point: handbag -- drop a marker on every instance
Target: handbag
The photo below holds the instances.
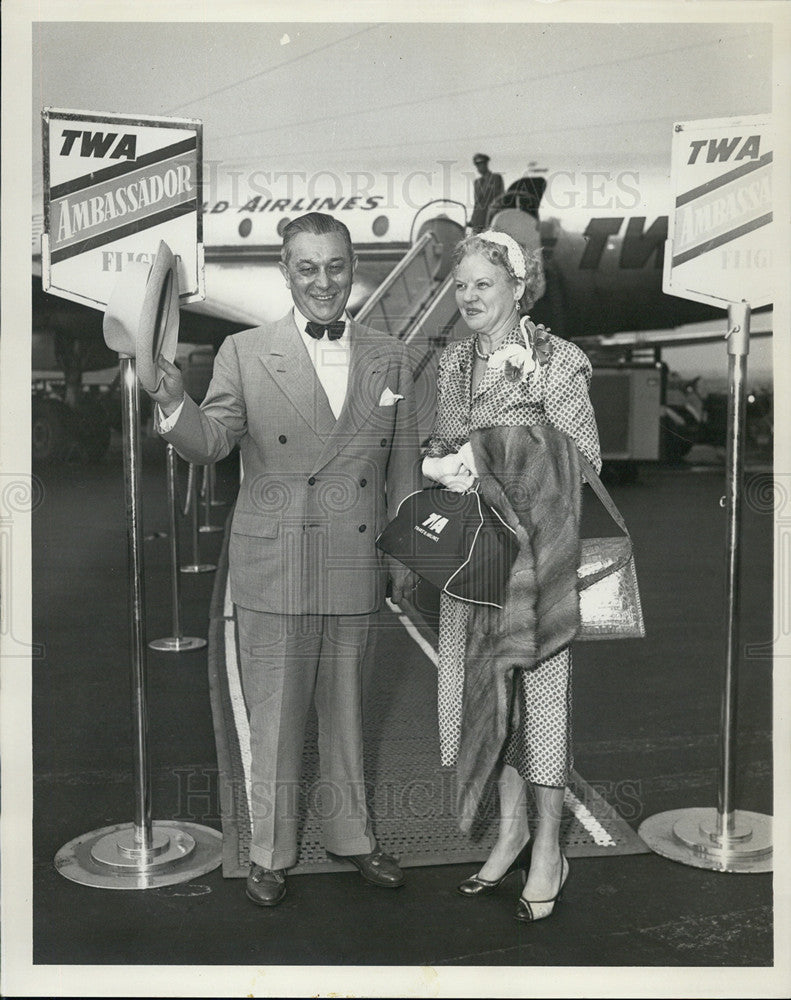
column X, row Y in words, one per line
column 610, row 605
column 455, row 541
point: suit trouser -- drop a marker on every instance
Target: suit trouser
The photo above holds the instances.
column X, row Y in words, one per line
column 285, row 660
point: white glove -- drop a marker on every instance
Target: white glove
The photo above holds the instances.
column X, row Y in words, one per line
column 466, row 456
column 450, row 471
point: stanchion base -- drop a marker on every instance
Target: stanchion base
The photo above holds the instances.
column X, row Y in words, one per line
column 218, row 503
column 208, row 528
column 690, row 836
column 178, row 644
column 105, row 858
column 199, row 568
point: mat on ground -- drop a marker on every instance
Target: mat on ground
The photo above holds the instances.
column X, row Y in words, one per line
column 411, row 797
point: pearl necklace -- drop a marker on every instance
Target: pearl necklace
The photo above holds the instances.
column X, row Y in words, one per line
column 485, row 357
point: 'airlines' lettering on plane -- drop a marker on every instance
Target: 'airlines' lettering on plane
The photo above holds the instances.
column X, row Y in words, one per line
column 259, row 204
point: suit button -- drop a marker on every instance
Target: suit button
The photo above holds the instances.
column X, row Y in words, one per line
column 383, row 442
column 312, row 481
column 363, row 482
column 282, row 439
column 361, row 528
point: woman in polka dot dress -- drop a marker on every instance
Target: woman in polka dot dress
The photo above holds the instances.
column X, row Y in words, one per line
column 509, row 374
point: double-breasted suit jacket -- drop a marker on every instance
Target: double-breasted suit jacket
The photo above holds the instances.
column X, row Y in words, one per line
column 315, row 491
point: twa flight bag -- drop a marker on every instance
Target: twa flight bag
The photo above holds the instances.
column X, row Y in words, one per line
column 455, row 541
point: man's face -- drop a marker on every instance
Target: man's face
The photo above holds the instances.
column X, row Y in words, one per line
column 319, row 274
column 482, row 166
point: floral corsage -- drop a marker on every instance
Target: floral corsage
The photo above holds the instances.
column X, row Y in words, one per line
column 519, row 361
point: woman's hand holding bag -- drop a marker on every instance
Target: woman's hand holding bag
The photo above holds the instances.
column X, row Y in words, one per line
column 450, row 471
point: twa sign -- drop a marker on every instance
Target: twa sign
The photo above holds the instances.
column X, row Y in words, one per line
column 114, row 186
column 719, row 247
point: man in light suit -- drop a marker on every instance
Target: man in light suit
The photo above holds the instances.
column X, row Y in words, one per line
column 323, row 410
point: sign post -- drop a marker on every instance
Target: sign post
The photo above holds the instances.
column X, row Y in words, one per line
column 119, row 191
column 719, row 251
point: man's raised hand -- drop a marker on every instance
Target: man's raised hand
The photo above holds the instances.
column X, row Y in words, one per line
column 170, row 391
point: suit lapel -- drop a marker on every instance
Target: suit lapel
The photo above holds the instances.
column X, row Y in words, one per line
column 287, row 361
column 368, row 366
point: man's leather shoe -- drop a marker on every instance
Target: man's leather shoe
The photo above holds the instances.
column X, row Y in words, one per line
column 266, row 887
column 378, row 868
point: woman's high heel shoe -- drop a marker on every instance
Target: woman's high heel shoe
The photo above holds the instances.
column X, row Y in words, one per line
column 530, row 910
column 477, row 886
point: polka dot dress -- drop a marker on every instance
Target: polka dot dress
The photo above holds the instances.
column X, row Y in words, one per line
column 555, row 393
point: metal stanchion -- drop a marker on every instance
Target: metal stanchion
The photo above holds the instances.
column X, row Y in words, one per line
column 175, row 643
column 723, row 839
column 213, row 501
column 144, row 854
column 207, row 526
column 196, row 566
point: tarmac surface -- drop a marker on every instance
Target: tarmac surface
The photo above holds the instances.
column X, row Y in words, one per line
column 646, row 736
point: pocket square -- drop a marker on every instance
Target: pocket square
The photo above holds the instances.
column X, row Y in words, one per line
column 389, row 398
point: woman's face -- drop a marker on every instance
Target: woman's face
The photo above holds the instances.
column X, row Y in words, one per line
column 485, row 294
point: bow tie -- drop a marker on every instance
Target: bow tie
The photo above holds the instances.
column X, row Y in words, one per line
column 333, row 330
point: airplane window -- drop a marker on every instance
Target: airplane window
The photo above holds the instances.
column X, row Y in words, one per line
column 380, row 225
column 282, row 225
column 245, row 226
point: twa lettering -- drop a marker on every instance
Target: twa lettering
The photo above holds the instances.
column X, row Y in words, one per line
column 719, row 150
column 97, row 144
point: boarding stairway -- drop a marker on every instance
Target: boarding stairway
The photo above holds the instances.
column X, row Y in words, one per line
column 416, row 304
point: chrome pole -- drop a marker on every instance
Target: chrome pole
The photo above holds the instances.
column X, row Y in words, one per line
column 723, row 839
column 213, row 501
column 137, row 604
column 738, row 349
column 196, row 566
column 141, row 854
column 176, row 642
column 174, row 541
column 206, row 493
